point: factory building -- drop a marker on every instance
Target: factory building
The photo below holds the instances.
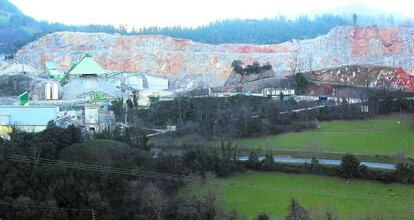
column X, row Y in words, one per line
column 27, row 118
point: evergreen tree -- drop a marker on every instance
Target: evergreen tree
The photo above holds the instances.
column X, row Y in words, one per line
column 297, row 212
column 349, row 166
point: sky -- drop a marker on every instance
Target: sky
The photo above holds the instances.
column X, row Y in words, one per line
column 189, row 13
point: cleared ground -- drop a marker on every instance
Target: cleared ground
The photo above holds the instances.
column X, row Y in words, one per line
column 253, row 193
column 381, row 135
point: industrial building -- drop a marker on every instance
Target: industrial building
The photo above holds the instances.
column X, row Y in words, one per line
column 87, row 79
column 52, row 72
column 27, row 118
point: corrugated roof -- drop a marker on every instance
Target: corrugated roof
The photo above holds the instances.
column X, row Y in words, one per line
column 87, row 66
column 81, row 86
column 30, row 115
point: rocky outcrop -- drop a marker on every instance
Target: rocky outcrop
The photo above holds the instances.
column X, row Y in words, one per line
column 174, row 58
column 251, row 82
column 236, row 79
column 366, row 75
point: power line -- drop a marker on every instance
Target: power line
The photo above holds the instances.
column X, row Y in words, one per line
column 44, row 207
column 97, row 168
column 174, row 177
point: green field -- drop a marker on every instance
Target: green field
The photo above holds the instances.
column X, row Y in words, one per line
column 378, row 136
column 254, row 193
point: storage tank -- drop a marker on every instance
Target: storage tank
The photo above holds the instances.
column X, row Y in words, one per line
column 48, row 92
column 55, row 91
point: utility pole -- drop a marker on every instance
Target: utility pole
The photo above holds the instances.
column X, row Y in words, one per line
column 93, row 214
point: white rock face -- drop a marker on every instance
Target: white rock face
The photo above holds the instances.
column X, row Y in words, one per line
column 177, row 58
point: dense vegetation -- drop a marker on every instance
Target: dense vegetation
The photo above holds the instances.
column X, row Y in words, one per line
column 33, row 189
column 14, row 85
column 254, row 68
column 265, row 31
column 247, row 116
column 17, row 29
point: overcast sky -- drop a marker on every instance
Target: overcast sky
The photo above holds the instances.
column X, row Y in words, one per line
column 140, row 13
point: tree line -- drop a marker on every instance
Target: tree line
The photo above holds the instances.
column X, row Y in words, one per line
column 247, row 116
column 39, row 191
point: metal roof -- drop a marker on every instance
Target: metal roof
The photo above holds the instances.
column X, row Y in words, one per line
column 87, row 66
column 81, row 86
column 27, row 115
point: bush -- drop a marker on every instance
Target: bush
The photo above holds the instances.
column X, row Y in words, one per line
column 349, row 166
column 262, row 216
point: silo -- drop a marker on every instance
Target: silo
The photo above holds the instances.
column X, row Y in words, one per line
column 48, row 94
column 55, row 91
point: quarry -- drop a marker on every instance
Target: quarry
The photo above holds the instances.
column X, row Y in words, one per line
column 76, row 71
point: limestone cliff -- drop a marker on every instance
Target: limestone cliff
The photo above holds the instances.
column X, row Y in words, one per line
column 174, row 58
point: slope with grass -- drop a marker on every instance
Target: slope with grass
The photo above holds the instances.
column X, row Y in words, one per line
column 381, row 135
column 253, row 193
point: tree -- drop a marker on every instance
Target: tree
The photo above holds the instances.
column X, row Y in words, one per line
column 237, row 66
column 301, row 82
column 314, row 166
column 294, row 63
column 268, row 163
column 137, row 139
column 153, row 202
column 253, row 160
column 262, row 216
column 405, row 173
column 117, row 106
column 297, row 212
column 200, row 201
column 282, row 96
column 349, row 166
column 354, row 19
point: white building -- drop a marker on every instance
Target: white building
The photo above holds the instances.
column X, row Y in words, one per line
column 277, row 92
column 91, row 118
column 28, row 118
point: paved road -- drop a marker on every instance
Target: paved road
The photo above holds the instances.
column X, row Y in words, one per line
column 293, row 160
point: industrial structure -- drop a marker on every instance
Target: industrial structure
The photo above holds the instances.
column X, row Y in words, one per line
column 27, row 118
column 84, row 94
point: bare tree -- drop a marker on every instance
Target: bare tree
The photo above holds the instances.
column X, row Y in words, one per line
column 200, row 201
column 293, row 63
column 153, row 202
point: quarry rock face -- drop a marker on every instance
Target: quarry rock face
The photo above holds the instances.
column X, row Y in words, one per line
column 175, row 58
column 366, row 76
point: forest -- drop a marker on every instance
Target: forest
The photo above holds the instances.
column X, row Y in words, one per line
column 17, row 29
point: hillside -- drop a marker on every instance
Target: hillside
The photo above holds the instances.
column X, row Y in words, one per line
column 176, row 58
column 17, row 29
